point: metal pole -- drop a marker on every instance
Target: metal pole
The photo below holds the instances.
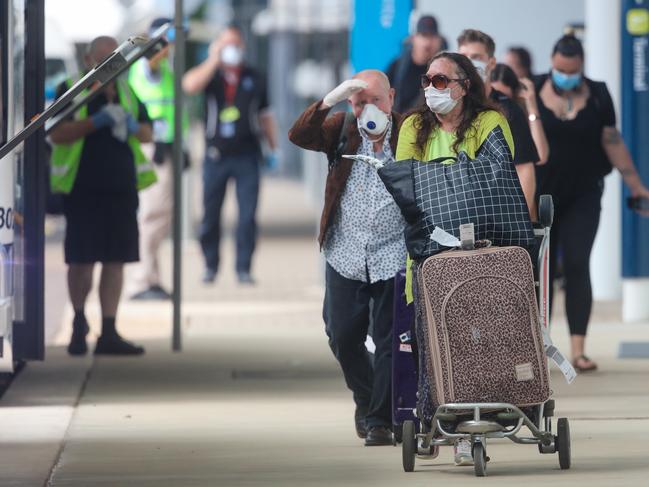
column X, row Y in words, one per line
column 179, row 69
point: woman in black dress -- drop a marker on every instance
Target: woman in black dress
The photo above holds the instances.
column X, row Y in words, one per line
column 579, row 120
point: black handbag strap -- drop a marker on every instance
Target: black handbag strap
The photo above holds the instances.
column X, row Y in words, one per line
column 342, row 140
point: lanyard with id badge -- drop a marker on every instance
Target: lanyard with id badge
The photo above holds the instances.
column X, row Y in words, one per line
column 228, row 118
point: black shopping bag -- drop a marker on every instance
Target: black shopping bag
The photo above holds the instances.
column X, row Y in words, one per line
column 484, row 191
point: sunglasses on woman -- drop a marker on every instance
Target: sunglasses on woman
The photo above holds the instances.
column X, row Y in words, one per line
column 439, row 81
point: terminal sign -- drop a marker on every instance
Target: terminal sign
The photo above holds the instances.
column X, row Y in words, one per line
column 635, row 128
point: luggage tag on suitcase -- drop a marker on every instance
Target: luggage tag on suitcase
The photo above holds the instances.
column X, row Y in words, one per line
column 444, row 238
column 466, row 241
column 564, row 365
column 467, row 236
column 554, row 354
column 405, row 344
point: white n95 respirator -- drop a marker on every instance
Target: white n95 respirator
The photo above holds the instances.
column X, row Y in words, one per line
column 372, row 120
column 231, row 55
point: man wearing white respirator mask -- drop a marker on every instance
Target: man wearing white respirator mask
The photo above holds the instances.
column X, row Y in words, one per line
column 479, row 48
column 361, row 234
column 236, row 102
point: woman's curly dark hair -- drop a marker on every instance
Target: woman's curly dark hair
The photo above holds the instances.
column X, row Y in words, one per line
column 475, row 102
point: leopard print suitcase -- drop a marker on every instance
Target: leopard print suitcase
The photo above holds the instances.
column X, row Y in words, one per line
column 480, row 328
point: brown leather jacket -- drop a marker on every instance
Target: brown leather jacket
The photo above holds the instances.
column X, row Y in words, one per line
column 313, row 130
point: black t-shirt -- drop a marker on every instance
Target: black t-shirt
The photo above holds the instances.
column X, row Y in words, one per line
column 233, row 130
column 405, row 78
column 524, row 146
column 107, row 166
column 577, row 161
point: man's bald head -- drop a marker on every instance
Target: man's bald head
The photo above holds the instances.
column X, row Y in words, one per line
column 378, row 92
column 374, row 76
column 99, row 49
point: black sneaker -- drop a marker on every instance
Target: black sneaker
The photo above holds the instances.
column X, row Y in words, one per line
column 116, row 345
column 378, row 436
column 78, row 345
column 154, row 293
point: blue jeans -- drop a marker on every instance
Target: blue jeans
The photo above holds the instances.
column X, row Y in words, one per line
column 244, row 169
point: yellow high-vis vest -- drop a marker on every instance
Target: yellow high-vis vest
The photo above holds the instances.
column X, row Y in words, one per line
column 66, row 158
column 157, row 95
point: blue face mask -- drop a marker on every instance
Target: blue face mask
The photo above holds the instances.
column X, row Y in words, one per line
column 566, row 82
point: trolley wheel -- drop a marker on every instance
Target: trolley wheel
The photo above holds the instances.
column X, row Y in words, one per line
column 562, row 442
column 480, row 459
column 409, row 446
column 397, row 434
column 546, row 210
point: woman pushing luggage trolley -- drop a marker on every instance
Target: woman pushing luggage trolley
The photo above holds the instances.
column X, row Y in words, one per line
column 482, row 338
column 482, row 367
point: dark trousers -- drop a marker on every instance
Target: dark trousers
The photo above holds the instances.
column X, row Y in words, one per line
column 244, row 169
column 347, row 315
column 573, row 234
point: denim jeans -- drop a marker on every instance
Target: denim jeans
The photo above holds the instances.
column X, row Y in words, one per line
column 244, row 169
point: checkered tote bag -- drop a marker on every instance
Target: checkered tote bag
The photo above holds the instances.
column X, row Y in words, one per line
column 484, row 191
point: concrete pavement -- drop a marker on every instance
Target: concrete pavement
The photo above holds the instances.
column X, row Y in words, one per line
column 256, row 399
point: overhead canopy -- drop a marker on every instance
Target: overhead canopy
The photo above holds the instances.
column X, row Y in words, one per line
column 82, row 21
column 304, row 16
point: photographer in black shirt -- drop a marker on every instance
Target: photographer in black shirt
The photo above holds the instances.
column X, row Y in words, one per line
column 405, row 71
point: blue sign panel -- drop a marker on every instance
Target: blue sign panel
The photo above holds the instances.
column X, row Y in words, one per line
column 635, row 129
column 378, row 30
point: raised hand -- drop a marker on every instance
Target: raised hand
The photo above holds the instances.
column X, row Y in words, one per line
column 528, row 92
column 343, row 91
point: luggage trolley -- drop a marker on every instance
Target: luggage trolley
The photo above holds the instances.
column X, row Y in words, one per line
column 478, row 422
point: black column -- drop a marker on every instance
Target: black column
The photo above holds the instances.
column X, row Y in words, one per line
column 29, row 336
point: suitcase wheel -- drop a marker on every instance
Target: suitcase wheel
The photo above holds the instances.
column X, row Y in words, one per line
column 562, row 440
column 409, row 446
column 480, row 459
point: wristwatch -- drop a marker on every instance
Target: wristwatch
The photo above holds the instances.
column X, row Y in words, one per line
column 532, row 117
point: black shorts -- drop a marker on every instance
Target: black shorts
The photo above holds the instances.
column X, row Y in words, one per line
column 101, row 228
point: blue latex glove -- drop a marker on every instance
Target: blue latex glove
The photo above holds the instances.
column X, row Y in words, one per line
column 271, row 161
column 132, row 125
column 102, row 119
